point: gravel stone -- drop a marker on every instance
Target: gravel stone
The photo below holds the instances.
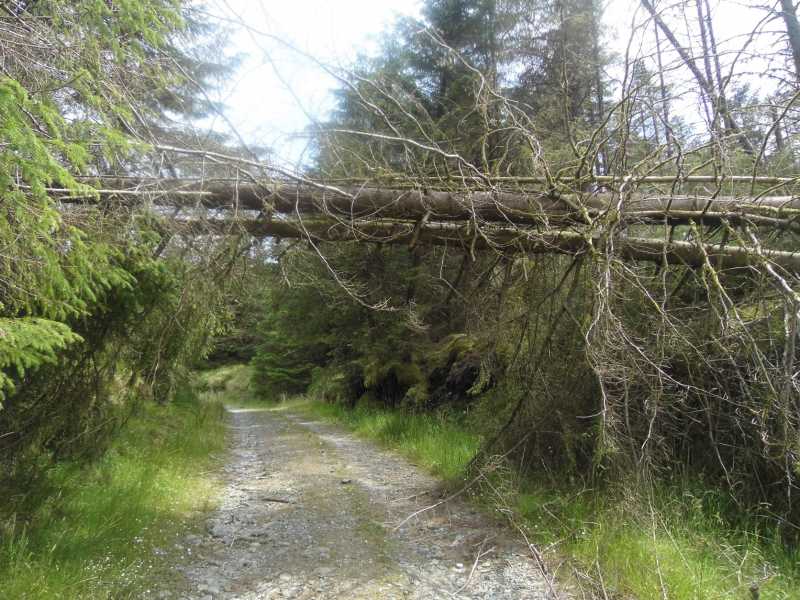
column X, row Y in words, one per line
column 310, row 512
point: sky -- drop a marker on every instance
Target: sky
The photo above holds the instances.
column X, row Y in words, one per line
column 277, row 91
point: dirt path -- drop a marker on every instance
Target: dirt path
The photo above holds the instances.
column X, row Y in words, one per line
column 311, row 512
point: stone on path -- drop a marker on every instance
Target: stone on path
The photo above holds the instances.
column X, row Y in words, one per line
column 336, row 534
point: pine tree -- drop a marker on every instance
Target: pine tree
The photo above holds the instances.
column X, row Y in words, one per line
column 88, row 295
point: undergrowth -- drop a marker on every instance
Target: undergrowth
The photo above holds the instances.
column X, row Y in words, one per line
column 105, row 530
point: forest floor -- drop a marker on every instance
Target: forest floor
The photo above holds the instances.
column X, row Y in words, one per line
column 309, row 511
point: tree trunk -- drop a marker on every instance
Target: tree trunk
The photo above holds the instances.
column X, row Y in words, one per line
column 500, row 239
column 663, row 88
column 789, row 15
column 538, row 208
column 706, row 84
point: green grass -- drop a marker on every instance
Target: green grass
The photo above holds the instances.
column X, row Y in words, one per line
column 230, row 385
column 671, row 544
column 440, row 445
column 108, row 529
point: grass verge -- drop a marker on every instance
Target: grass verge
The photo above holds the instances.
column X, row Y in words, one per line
column 670, row 543
column 667, row 543
column 107, row 529
column 436, row 443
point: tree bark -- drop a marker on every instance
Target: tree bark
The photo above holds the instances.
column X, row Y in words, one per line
column 500, row 239
column 532, row 208
column 789, row 15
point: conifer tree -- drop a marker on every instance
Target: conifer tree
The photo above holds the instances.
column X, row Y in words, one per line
column 86, row 294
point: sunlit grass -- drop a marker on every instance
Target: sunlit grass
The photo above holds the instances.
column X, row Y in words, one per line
column 435, row 443
column 669, row 543
column 105, row 530
column 230, row 385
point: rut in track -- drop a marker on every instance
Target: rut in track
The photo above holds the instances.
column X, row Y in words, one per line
column 309, row 511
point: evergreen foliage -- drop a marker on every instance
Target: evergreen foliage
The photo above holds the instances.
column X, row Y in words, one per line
column 99, row 309
column 29, row 343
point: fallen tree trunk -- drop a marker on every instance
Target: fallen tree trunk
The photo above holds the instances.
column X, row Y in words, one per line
column 502, row 239
column 534, row 208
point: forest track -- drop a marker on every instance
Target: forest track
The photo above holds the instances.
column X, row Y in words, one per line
column 309, row 511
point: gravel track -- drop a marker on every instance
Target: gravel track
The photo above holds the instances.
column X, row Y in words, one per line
column 311, row 512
